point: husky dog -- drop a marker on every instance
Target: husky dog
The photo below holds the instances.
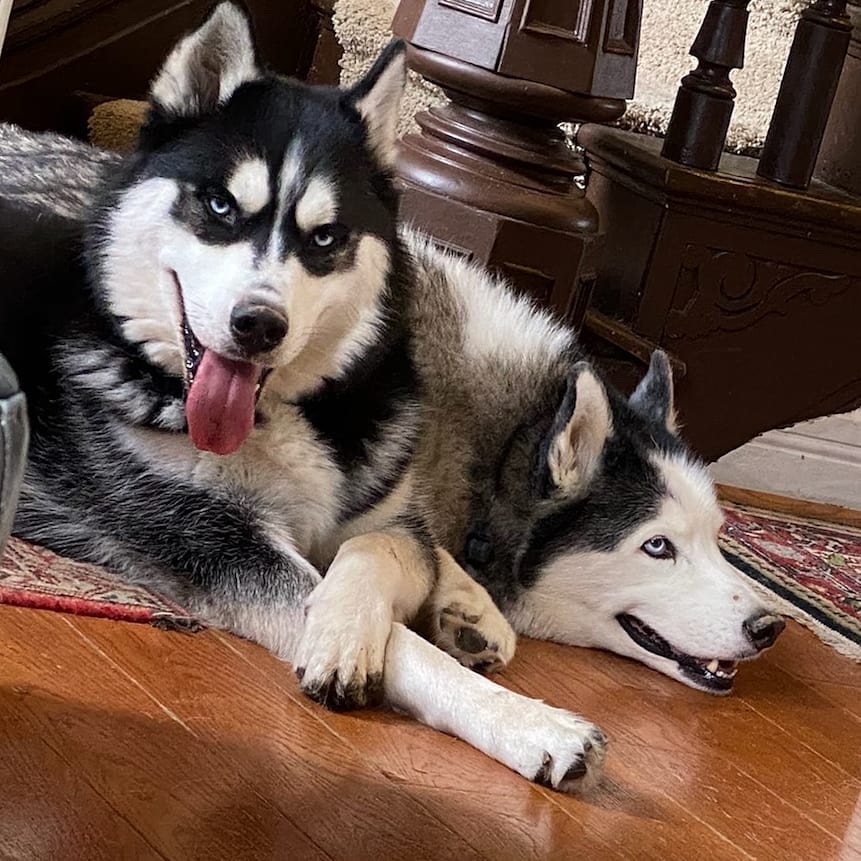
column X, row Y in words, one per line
column 581, row 511
column 266, row 380
column 223, row 392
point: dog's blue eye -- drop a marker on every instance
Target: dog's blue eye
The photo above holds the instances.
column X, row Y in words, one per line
column 220, row 207
column 327, row 236
column 659, row 548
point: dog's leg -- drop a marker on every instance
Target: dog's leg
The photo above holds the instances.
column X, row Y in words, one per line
column 375, row 579
column 553, row 747
column 461, row 618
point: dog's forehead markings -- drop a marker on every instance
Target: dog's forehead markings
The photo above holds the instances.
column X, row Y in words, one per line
column 317, row 204
column 289, row 175
column 689, row 484
column 249, row 184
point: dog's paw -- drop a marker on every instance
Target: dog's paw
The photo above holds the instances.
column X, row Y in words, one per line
column 552, row 746
column 573, row 756
column 474, row 631
column 339, row 661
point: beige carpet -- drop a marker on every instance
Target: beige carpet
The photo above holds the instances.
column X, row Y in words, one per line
column 669, row 27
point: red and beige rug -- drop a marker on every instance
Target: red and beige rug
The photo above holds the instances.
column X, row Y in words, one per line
column 806, row 569
column 31, row 576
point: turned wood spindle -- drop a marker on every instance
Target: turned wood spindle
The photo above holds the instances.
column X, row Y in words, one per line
column 697, row 129
column 806, row 93
column 839, row 161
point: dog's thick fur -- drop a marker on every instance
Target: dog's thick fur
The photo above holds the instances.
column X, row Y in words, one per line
column 411, row 412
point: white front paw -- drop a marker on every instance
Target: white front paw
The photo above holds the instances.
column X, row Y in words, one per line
column 339, row 662
column 553, row 747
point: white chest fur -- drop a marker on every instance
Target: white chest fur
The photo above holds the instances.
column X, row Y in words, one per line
column 283, row 466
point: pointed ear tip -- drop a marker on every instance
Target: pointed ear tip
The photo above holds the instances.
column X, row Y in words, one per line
column 586, row 371
column 231, row 7
column 398, row 56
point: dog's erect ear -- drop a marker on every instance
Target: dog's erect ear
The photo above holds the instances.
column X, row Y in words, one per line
column 580, row 431
column 377, row 98
column 207, row 66
column 653, row 397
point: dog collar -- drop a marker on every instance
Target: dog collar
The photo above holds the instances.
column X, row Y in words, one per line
column 477, row 549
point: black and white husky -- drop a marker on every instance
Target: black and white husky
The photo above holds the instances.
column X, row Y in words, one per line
column 242, row 374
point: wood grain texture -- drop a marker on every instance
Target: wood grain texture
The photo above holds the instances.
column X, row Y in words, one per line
column 119, row 741
column 824, row 511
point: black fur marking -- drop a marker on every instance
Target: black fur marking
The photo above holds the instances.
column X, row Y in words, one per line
column 352, row 413
column 526, row 531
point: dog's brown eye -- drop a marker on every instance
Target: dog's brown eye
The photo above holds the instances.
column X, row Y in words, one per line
column 659, row 547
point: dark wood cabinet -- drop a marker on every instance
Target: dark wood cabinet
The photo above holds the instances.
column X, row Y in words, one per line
column 56, row 49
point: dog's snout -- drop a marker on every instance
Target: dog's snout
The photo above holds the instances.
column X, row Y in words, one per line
column 763, row 629
column 258, row 328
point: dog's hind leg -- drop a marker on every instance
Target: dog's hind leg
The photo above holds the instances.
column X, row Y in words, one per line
column 553, row 747
column 461, row 618
column 375, row 579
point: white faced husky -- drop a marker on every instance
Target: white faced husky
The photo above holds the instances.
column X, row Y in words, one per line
column 241, row 374
column 580, row 511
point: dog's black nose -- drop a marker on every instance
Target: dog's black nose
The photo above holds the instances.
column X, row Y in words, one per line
column 258, row 328
column 763, row 630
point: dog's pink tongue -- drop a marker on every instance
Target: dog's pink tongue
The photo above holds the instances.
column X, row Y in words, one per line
column 220, row 403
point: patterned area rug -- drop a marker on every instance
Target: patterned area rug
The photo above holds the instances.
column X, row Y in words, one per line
column 808, row 570
column 31, row 576
column 811, row 571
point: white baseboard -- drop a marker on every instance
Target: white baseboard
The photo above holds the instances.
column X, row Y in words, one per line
column 819, row 461
column 5, row 11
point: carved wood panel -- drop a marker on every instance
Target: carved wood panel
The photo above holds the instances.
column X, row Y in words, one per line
column 569, row 20
column 722, row 290
column 623, row 27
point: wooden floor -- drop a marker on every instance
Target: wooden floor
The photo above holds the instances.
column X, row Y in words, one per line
column 118, row 741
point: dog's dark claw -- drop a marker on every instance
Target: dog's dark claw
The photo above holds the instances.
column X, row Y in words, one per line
column 542, row 776
column 338, row 697
column 576, row 771
column 469, row 640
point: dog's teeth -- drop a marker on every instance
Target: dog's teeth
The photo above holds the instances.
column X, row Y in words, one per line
column 713, row 666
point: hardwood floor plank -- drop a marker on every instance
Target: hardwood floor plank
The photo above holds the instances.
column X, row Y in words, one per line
column 37, row 823
column 823, row 511
column 710, row 754
column 493, row 811
column 479, row 798
column 309, row 768
column 621, row 821
column 154, row 745
column 802, row 656
column 255, row 788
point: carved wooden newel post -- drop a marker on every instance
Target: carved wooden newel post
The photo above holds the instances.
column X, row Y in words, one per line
column 491, row 174
column 697, row 129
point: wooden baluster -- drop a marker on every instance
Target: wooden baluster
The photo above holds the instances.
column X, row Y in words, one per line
column 700, row 120
column 839, row 161
column 806, row 92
